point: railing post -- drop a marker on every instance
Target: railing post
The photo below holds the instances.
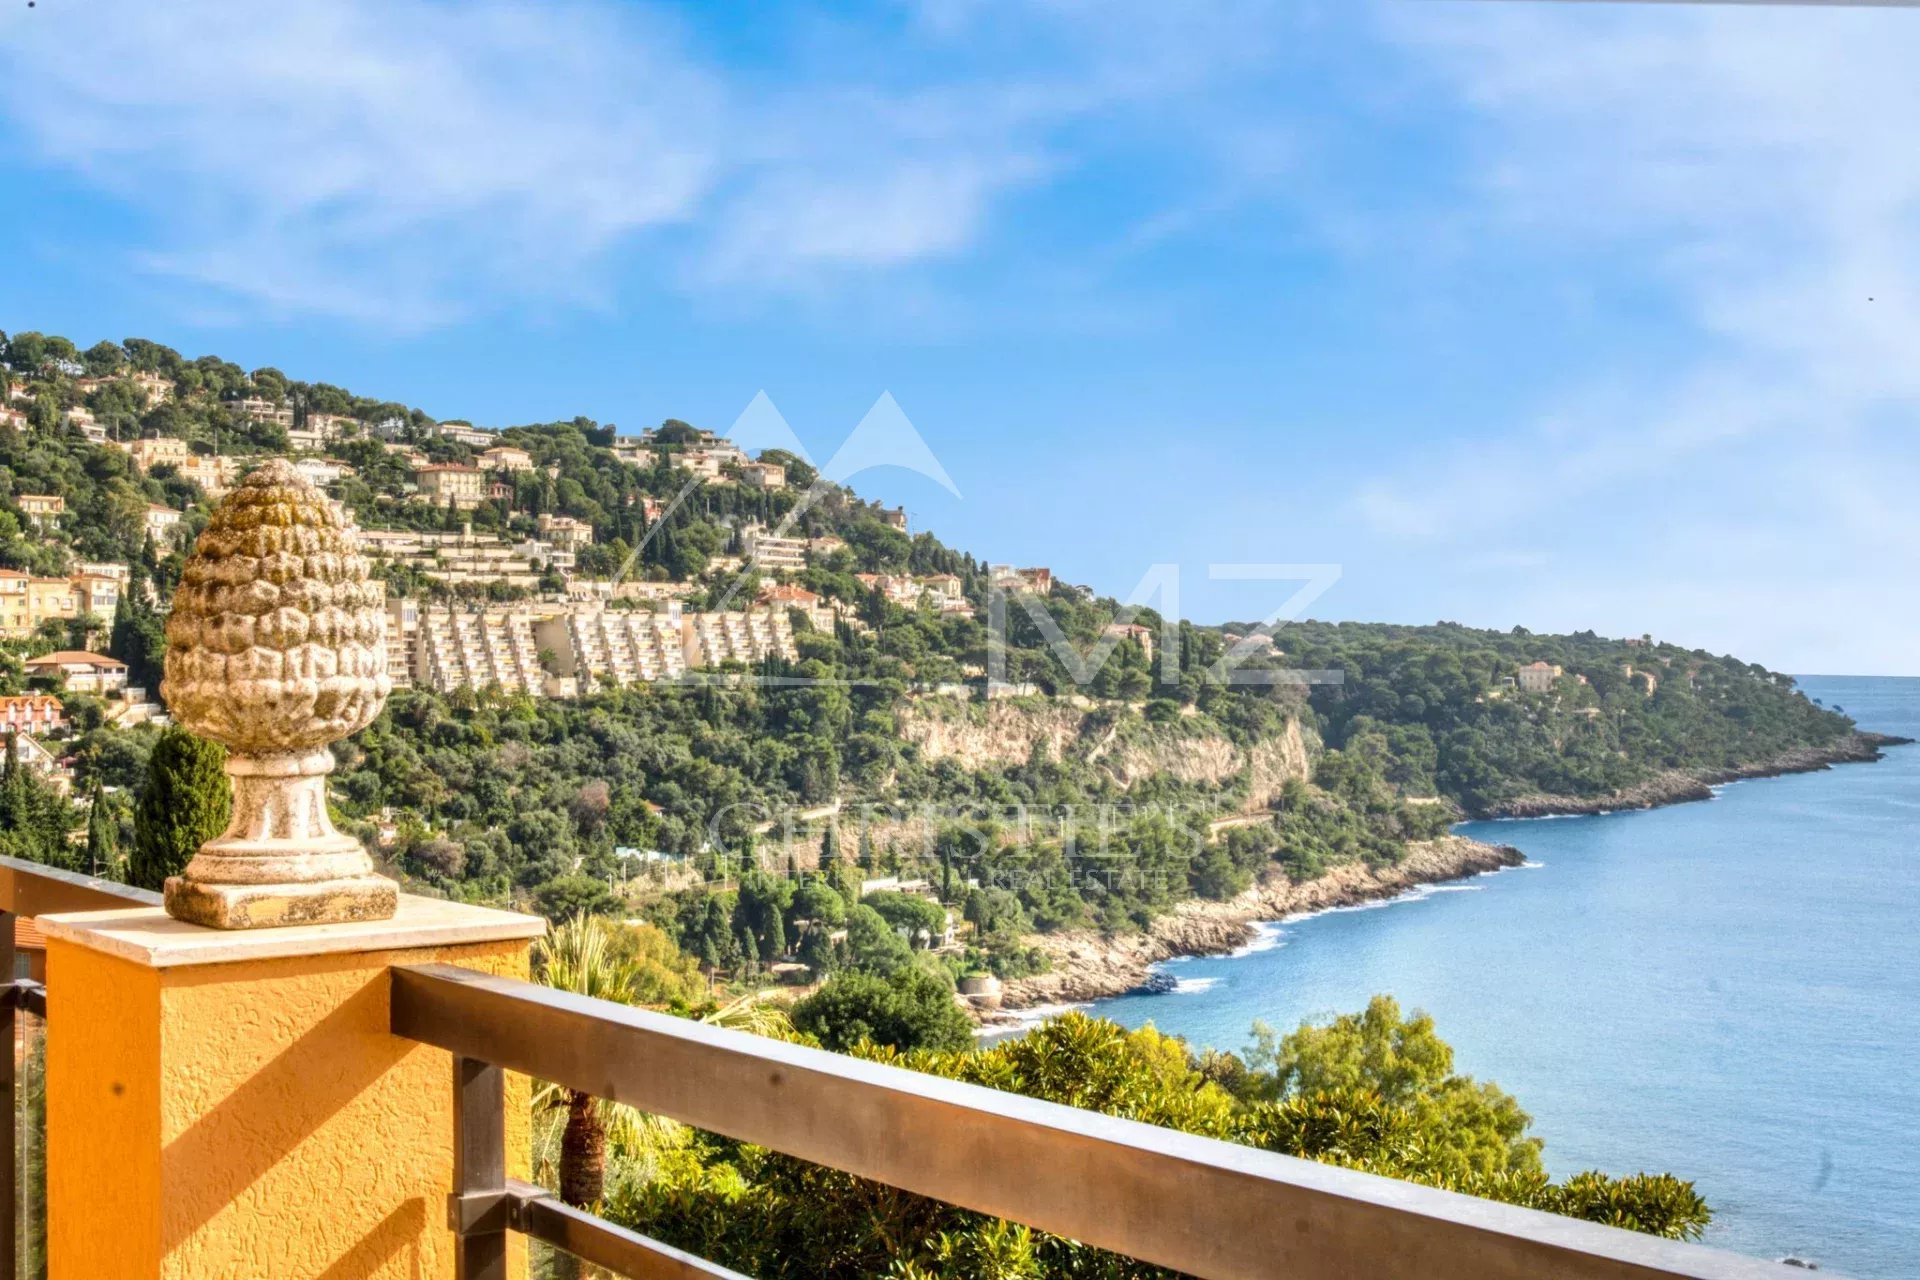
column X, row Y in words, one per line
column 236, row 1104
column 477, row 1210
column 10, row 1099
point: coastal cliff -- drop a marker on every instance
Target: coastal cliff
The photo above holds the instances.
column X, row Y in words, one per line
column 1088, row 965
column 1678, row 786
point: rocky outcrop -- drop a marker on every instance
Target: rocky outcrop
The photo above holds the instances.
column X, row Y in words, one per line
column 1117, row 738
column 1091, row 966
column 1678, row 786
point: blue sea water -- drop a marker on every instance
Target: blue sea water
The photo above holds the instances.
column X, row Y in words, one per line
column 1729, row 990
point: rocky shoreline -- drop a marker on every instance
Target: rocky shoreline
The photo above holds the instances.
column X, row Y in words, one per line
column 1090, row 966
column 1679, row 786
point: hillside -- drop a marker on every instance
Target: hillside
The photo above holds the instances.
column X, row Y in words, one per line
column 695, row 665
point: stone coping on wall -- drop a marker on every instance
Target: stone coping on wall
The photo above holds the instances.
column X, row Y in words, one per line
column 148, row 936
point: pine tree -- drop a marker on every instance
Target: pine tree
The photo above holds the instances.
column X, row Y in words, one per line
column 102, row 834
column 185, row 803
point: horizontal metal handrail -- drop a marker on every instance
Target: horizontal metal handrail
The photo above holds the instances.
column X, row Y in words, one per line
column 1208, row 1208
column 534, row 1212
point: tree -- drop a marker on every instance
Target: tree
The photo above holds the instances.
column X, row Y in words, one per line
column 1468, row 1128
column 103, row 834
column 185, row 802
column 583, row 956
column 920, row 917
column 913, row 1008
column 872, row 945
column 565, row 897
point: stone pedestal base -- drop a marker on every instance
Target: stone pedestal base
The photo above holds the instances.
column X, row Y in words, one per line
column 266, row 906
column 280, row 861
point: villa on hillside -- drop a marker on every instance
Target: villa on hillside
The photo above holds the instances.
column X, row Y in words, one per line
column 465, row 433
column 155, row 451
column 44, row 509
column 161, row 522
column 36, row 713
column 1537, row 677
column 84, row 672
column 506, row 457
column 455, row 483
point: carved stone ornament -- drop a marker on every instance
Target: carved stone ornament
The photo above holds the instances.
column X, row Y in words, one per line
column 276, row 646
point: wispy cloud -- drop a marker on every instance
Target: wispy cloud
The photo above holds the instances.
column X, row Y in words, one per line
column 403, row 162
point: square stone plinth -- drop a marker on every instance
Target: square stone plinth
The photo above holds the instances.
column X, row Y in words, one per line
column 281, row 906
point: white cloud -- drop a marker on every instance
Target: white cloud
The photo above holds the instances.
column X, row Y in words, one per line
column 403, row 162
column 386, row 161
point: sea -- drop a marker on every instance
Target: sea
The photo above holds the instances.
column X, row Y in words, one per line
column 1728, row 990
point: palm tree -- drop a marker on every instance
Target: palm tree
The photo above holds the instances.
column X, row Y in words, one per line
column 581, row 956
column 584, row 956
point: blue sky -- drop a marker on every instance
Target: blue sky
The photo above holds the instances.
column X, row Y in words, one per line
column 1525, row 313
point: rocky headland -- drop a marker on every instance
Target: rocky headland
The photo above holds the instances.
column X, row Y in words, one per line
column 1088, row 965
column 1678, row 786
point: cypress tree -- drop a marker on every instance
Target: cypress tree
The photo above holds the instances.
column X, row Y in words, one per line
column 184, row 804
column 102, row 834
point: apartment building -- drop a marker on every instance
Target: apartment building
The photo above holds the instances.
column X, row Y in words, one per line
column 321, row 472
column 465, row 433
column 260, row 409
column 478, row 649
column 27, row 601
column 565, row 532
column 403, row 639
column 702, row 463
column 763, row 475
column 599, row 646
column 96, row 593
column 215, row 475
column 588, row 645
column 45, row 510
column 772, row 554
column 1037, row 582
column 451, row 483
column 332, row 426
column 162, row 523
column 785, row 595
column 1538, row 677
column 747, row 637
column 157, row 451
column 155, row 387
column 505, row 457
column 457, row 557
column 83, row 421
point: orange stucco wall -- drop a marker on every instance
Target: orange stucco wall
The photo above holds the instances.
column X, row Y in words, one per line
column 251, row 1120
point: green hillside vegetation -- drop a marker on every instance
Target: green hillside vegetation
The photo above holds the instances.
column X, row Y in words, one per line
column 1373, row 1091
column 512, row 799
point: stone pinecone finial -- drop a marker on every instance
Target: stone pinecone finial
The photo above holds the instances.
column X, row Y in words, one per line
column 276, row 639
column 276, row 646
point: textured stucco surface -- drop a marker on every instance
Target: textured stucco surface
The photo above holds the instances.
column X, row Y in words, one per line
column 251, row 1120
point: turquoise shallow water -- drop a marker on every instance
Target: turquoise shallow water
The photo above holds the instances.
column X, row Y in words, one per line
column 1729, row 990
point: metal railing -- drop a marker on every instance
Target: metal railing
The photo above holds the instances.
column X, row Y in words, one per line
column 29, row 889
column 1207, row 1208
